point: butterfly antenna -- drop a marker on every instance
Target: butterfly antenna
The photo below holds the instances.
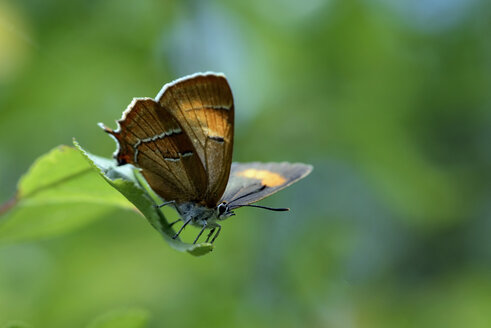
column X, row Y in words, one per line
column 261, row 188
column 277, row 209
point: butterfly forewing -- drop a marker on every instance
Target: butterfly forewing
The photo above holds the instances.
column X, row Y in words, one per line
column 150, row 138
column 251, row 182
column 203, row 105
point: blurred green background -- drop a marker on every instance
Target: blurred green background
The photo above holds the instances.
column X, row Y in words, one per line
column 389, row 100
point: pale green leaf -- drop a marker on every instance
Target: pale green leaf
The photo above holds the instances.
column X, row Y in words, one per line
column 60, row 192
column 66, row 188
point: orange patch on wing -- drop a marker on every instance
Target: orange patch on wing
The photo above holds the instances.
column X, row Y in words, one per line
column 268, row 178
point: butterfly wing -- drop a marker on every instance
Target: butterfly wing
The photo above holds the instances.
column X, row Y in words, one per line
column 251, row 182
column 204, row 106
column 150, row 138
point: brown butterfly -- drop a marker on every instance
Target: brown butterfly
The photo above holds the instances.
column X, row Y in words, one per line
column 183, row 142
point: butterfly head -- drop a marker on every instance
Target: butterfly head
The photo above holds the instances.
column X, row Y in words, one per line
column 223, row 211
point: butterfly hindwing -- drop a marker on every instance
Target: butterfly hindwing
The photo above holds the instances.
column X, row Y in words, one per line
column 150, row 138
column 203, row 105
column 251, row 182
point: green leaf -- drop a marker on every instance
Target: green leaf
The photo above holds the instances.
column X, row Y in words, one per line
column 63, row 190
column 52, row 198
column 132, row 318
column 129, row 182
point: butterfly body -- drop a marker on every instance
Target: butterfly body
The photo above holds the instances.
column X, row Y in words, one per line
column 183, row 141
column 201, row 216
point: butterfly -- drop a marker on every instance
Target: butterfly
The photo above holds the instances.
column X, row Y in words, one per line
column 183, row 141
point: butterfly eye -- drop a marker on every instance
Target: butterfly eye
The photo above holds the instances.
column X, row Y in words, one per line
column 221, row 208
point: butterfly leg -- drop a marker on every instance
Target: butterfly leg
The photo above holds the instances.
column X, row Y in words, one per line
column 165, row 203
column 218, row 232
column 209, row 235
column 182, row 228
column 174, row 222
column 200, row 233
